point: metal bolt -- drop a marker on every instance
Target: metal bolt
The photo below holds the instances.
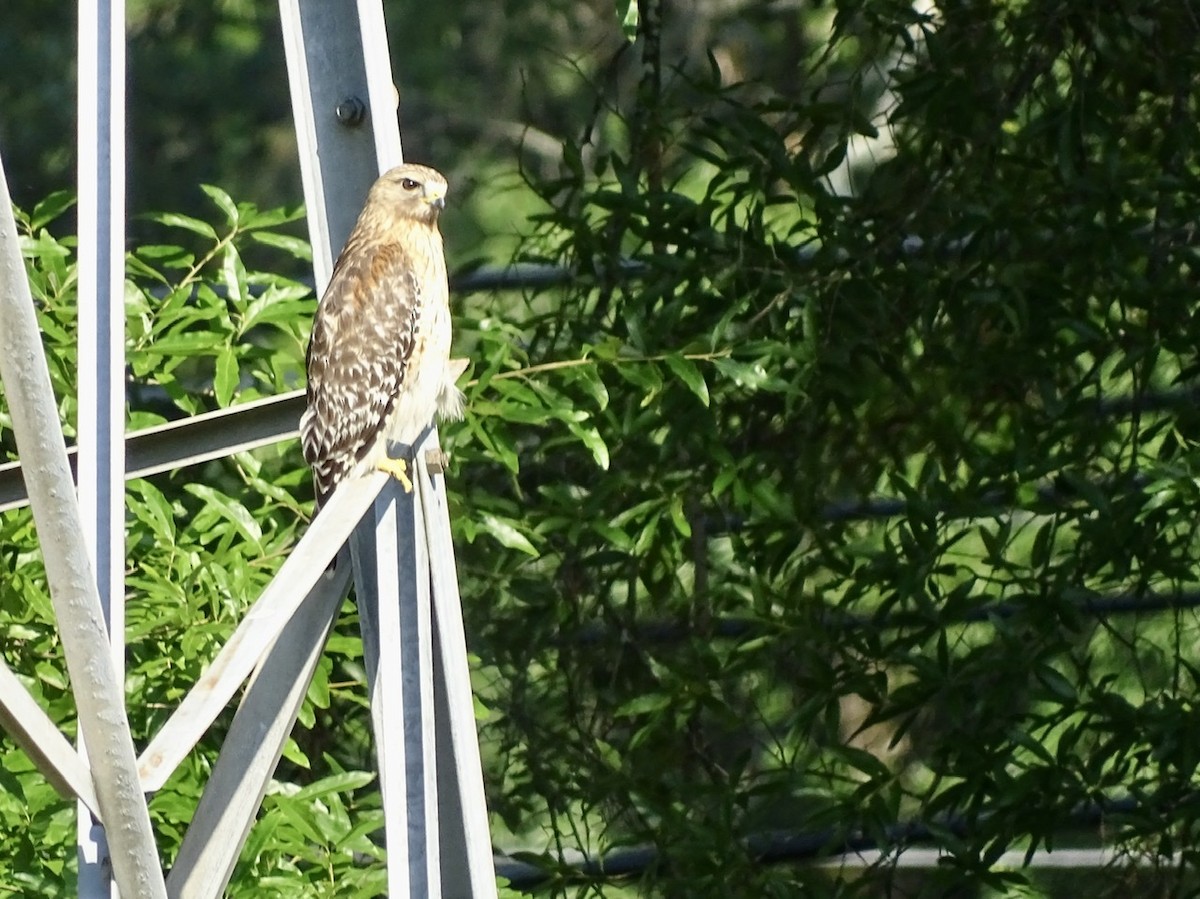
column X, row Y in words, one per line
column 351, row 112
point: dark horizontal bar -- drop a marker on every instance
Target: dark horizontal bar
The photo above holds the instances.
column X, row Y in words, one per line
column 774, row 847
column 531, row 276
column 521, row 276
column 735, row 627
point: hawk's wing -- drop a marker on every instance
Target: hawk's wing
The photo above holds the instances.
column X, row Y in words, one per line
column 362, row 340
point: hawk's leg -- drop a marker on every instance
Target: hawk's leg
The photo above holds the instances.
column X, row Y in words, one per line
column 398, row 469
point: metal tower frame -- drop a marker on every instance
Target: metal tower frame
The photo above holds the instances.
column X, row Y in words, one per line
column 396, row 545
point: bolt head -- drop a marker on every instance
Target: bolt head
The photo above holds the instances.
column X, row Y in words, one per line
column 351, row 112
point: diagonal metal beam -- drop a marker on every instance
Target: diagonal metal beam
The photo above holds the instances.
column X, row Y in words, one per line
column 253, row 745
column 99, row 696
column 31, row 728
column 390, row 570
column 258, row 630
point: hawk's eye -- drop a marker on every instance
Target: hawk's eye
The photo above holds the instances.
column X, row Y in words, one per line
column 410, row 184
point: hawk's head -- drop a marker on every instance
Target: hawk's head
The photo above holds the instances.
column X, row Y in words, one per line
column 414, row 192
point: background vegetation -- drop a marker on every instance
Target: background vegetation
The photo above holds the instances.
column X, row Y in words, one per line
column 849, row 488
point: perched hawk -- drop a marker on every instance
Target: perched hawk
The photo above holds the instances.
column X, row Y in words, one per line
column 379, row 359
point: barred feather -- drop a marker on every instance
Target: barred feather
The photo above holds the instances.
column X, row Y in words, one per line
column 378, row 360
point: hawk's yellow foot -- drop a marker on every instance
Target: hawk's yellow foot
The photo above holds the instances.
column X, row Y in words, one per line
column 398, row 469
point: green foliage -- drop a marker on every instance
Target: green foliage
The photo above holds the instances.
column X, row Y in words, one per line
column 206, row 327
column 699, row 639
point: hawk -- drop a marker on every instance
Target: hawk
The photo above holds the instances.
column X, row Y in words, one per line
column 379, row 359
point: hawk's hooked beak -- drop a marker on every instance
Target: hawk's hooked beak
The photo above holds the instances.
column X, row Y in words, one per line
column 435, row 196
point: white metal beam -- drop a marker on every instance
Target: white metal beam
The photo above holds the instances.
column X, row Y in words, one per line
column 382, row 93
column 258, row 630
column 391, row 575
column 339, row 63
column 189, row 441
column 101, row 419
column 253, row 745
column 69, row 574
column 101, row 341
column 31, row 729
column 340, row 130
column 377, row 577
column 467, row 864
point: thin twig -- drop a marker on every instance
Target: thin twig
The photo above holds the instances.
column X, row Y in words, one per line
column 586, row 360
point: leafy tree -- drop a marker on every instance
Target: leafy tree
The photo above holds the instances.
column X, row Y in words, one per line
column 721, row 636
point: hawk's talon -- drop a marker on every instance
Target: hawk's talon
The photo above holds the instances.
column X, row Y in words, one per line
column 398, row 469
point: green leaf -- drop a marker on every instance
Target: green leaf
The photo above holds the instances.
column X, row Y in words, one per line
column 642, row 705
column 231, row 510
column 47, row 210
column 227, row 376
column 1057, row 686
column 150, row 506
column 687, row 372
column 297, row 247
column 279, row 306
column 643, row 374
column 190, row 343
column 294, row 754
column 176, row 220
column 506, row 533
column 223, row 201
column 43, row 246
column 591, row 438
column 679, row 517
column 587, row 377
column 267, row 218
column 318, row 688
column 233, row 275
column 356, row 839
column 135, row 266
column 627, row 15
column 303, row 817
column 51, row 676
column 345, row 782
